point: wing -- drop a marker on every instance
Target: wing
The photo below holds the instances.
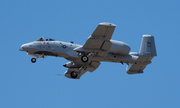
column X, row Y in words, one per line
column 100, row 39
column 77, row 72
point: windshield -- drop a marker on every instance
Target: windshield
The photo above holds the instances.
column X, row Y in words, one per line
column 45, row 39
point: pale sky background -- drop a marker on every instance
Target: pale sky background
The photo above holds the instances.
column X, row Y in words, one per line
column 27, row 85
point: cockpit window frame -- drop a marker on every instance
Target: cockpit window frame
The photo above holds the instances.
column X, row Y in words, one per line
column 45, row 39
column 41, row 39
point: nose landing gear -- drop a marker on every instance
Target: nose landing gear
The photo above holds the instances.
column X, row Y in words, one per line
column 33, row 60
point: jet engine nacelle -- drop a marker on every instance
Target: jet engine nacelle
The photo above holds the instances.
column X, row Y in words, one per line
column 119, row 47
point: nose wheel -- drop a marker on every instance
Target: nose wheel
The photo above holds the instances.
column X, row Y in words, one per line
column 33, row 60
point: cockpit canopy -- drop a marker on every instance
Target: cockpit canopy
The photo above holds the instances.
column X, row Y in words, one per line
column 45, row 39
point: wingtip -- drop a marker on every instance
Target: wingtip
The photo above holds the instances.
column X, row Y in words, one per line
column 106, row 23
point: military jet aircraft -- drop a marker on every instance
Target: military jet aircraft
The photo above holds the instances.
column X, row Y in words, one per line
column 98, row 47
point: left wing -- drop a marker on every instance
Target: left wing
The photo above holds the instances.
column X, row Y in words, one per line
column 99, row 40
column 76, row 72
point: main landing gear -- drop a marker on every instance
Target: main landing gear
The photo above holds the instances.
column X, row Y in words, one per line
column 74, row 74
column 85, row 58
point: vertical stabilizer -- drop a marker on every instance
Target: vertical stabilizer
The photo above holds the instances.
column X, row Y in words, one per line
column 147, row 47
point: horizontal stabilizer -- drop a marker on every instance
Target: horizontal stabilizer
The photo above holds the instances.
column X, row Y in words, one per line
column 135, row 68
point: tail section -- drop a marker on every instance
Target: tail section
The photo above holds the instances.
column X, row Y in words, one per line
column 147, row 48
column 146, row 53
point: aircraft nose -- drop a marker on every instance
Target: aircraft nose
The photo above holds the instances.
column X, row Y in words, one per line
column 27, row 46
column 23, row 47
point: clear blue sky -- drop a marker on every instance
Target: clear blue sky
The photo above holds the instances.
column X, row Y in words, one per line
column 27, row 85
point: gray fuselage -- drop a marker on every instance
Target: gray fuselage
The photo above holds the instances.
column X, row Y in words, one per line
column 66, row 50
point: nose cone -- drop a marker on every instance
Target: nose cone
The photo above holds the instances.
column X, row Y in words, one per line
column 22, row 47
column 25, row 47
